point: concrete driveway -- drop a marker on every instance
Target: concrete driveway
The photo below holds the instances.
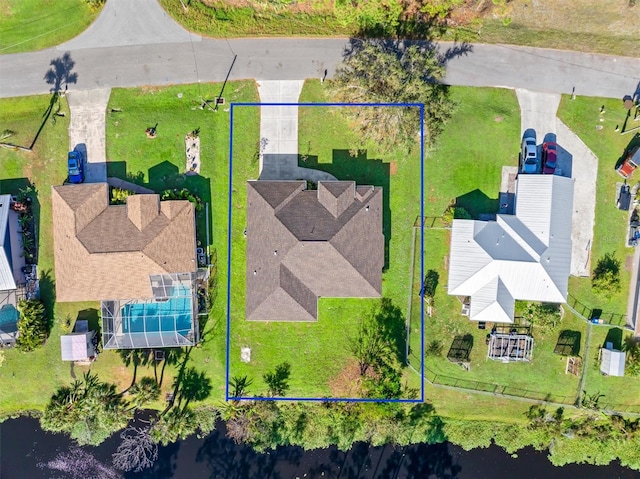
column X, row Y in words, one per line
column 279, row 134
column 87, row 130
column 575, row 160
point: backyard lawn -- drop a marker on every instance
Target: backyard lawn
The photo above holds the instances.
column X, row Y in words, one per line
column 28, row 25
column 319, row 352
column 582, row 115
column 619, row 393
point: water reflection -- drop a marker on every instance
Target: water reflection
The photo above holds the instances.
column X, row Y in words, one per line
column 28, row 452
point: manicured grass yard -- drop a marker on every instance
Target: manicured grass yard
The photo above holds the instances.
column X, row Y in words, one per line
column 582, row 115
column 28, row 25
column 318, row 352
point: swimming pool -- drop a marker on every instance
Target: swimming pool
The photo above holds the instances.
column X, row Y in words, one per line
column 171, row 315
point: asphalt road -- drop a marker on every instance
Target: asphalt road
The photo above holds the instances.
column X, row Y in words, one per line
column 136, row 43
column 548, row 71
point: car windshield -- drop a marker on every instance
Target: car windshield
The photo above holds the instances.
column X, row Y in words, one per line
column 73, row 167
column 530, row 161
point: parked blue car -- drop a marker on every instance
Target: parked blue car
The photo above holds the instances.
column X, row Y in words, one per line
column 75, row 167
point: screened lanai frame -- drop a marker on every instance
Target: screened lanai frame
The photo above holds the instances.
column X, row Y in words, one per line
column 177, row 289
column 510, row 347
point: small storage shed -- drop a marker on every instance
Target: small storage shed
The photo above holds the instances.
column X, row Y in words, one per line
column 612, row 361
column 78, row 346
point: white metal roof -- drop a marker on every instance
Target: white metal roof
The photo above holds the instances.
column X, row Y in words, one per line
column 7, row 282
column 525, row 256
column 612, row 362
column 77, row 346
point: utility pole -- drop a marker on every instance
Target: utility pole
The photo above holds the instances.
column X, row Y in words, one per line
column 225, row 82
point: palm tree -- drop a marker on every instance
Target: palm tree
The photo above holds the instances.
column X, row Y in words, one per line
column 177, row 424
column 145, row 391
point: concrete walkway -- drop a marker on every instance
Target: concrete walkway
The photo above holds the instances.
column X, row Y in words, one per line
column 87, row 130
column 575, row 160
column 130, row 22
column 279, row 134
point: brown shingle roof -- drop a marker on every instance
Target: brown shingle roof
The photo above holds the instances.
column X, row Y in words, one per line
column 106, row 252
column 305, row 244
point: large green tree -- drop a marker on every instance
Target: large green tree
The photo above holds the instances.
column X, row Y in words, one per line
column 379, row 71
column 89, row 411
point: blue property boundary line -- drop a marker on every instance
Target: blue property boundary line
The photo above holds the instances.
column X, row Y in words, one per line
column 229, row 224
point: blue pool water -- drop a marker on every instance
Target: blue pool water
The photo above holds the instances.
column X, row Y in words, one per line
column 8, row 315
column 165, row 316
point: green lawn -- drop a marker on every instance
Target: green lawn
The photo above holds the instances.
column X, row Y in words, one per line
column 319, row 351
column 620, row 393
column 466, row 163
column 582, row 115
column 28, row 25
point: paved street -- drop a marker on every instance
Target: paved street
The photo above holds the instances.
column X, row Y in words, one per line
column 158, row 52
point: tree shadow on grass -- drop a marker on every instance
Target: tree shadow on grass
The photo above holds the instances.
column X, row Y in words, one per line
column 364, row 171
column 59, row 74
column 614, row 336
column 391, row 320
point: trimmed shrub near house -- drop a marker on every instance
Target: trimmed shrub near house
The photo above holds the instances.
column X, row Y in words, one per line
column 32, row 325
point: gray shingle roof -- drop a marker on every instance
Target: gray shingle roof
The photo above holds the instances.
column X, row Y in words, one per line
column 306, row 244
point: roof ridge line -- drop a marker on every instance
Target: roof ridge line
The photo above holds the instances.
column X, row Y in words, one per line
column 286, row 201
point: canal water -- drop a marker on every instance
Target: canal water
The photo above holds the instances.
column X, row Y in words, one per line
column 27, row 452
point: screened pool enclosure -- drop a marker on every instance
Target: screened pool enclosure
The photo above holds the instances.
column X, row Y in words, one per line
column 169, row 319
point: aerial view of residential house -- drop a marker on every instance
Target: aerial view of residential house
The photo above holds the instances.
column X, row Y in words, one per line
column 137, row 259
column 524, row 256
column 12, row 271
column 303, row 244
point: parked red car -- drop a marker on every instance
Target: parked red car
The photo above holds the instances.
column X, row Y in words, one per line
column 549, row 157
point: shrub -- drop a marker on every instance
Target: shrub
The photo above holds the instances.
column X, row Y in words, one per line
column 455, row 213
column 183, row 194
column 434, row 348
column 32, row 325
column 119, row 196
column 606, row 275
